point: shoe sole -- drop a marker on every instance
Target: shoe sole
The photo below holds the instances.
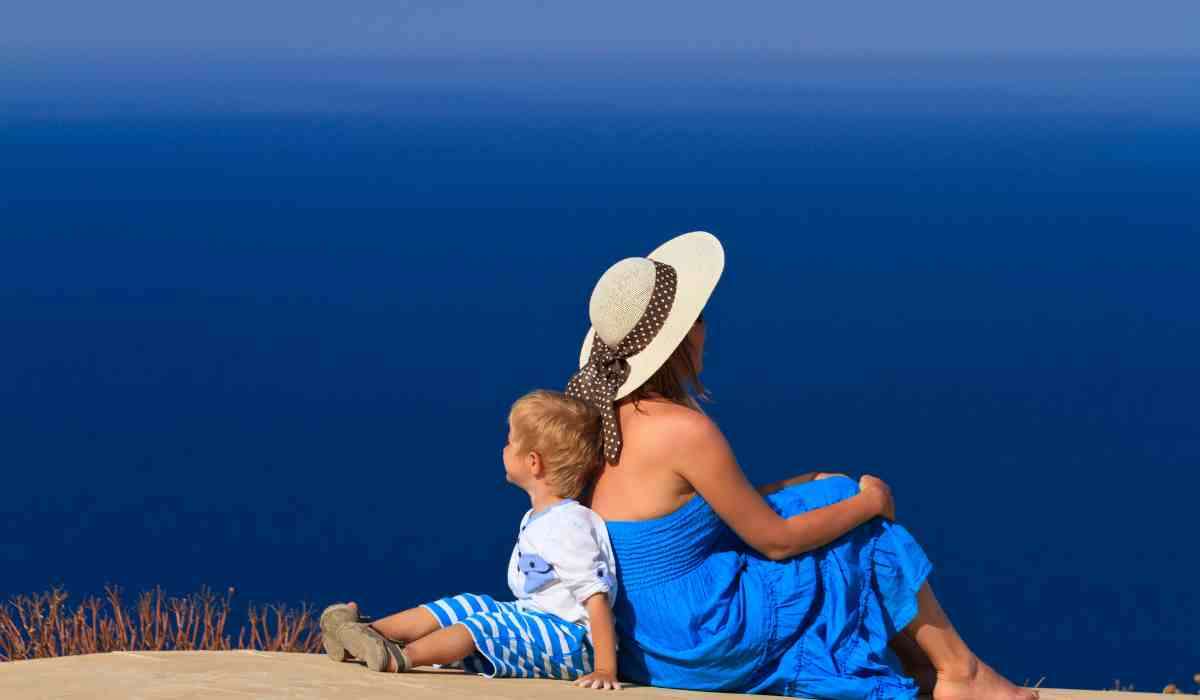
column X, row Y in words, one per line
column 332, row 618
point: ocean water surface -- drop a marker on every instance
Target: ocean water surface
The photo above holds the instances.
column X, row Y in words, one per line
column 263, row 318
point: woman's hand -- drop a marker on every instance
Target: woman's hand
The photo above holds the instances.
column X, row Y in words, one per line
column 827, row 475
column 600, row 680
column 880, row 494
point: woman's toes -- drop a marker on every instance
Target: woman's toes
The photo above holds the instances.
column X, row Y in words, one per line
column 982, row 684
column 997, row 686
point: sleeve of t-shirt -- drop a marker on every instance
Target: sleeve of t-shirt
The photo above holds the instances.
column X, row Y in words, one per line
column 573, row 549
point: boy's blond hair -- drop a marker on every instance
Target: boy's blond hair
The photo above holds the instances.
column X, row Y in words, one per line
column 564, row 431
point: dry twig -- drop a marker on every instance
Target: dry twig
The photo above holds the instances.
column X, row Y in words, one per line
column 41, row 625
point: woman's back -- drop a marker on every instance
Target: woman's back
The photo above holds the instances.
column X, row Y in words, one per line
column 646, row 483
column 681, row 616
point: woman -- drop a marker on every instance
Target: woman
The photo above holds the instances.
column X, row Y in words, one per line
column 803, row 588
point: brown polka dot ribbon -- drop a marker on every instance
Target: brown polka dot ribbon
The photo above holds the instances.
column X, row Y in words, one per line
column 598, row 381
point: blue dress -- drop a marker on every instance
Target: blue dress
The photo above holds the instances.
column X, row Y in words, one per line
column 699, row 609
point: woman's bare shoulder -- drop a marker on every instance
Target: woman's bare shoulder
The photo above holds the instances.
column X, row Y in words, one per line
column 663, row 443
column 673, row 424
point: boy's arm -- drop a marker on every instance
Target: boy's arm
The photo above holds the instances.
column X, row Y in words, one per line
column 604, row 640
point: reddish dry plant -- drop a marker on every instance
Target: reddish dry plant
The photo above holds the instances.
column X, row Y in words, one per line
column 41, row 625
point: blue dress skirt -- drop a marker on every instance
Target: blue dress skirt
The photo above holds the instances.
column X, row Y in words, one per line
column 701, row 610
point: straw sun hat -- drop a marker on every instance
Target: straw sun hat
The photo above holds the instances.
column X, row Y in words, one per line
column 641, row 310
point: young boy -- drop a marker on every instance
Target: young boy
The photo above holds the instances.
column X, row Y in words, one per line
column 562, row 572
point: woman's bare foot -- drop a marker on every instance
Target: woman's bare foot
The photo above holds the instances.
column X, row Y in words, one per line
column 978, row 681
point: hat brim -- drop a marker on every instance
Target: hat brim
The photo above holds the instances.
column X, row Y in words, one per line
column 698, row 259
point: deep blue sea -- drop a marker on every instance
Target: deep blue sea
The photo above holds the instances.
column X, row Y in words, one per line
column 261, row 318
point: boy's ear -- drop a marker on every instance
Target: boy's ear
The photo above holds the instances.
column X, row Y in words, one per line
column 536, row 467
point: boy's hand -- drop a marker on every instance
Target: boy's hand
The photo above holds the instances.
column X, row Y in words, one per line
column 880, row 494
column 600, row 680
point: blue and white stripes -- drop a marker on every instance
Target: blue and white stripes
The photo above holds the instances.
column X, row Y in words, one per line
column 515, row 643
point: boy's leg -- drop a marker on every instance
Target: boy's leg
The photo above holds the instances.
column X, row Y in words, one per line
column 407, row 626
column 447, row 645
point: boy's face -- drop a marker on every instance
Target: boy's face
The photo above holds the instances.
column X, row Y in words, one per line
column 516, row 468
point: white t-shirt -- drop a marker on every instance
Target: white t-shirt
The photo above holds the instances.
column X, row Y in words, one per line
column 562, row 558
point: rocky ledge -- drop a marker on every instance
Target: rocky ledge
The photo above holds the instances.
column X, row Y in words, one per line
column 214, row 675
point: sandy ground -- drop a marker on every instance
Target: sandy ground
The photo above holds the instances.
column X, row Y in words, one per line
column 213, row 675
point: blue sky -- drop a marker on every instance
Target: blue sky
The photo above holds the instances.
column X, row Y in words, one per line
column 387, row 27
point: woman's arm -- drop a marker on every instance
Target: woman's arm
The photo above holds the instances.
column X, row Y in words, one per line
column 709, row 466
column 604, row 641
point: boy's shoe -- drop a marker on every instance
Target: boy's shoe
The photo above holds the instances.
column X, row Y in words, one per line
column 332, row 620
column 371, row 647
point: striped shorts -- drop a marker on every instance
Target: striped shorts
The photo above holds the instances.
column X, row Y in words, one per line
column 515, row 643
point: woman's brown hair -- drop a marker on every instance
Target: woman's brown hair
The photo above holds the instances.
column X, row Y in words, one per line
column 676, row 381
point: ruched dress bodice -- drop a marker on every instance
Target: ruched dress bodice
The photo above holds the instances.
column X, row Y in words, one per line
column 699, row 609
